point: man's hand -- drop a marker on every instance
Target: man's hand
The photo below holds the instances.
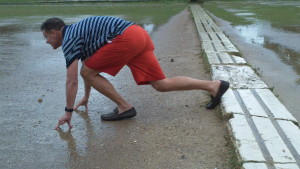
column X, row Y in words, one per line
column 82, row 102
column 65, row 119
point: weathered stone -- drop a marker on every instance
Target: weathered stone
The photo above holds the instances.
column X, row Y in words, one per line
column 244, row 140
column 230, row 104
column 251, row 103
column 275, row 145
column 255, row 166
column 287, row 166
column 274, row 105
column 292, row 132
column 240, row 77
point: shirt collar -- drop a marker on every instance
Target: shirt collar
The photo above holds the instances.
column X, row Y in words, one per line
column 64, row 30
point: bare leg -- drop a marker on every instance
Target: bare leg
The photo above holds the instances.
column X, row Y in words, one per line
column 186, row 83
column 103, row 86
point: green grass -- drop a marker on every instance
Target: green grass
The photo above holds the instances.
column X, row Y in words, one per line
column 278, row 13
column 78, row 1
column 157, row 13
column 219, row 11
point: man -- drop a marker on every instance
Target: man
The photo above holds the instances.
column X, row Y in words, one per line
column 107, row 44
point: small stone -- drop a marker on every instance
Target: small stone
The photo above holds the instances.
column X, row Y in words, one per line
column 40, row 100
column 182, row 157
column 172, row 60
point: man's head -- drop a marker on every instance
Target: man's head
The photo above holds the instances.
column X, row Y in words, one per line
column 52, row 31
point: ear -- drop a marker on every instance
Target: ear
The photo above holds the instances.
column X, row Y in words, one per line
column 53, row 32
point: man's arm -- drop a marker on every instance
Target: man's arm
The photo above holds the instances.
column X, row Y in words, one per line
column 71, row 91
column 71, row 84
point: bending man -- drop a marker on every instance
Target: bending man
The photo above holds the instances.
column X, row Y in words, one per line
column 106, row 44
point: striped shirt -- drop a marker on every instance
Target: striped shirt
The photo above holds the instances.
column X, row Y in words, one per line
column 83, row 39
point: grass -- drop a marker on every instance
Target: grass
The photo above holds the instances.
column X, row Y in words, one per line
column 283, row 14
column 219, row 11
column 207, row 66
column 80, row 1
column 134, row 12
column 233, row 160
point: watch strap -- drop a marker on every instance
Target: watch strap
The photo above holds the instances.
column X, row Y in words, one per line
column 69, row 110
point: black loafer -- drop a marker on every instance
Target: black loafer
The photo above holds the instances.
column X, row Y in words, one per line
column 114, row 116
column 216, row 100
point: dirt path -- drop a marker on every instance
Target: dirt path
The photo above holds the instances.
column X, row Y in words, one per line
column 171, row 130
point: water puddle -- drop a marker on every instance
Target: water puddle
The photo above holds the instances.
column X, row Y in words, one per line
column 251, row 33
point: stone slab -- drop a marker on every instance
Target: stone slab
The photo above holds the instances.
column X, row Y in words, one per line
column 216, row 28
column 253, row 106
column 230, row 47
column 223, row 37
column 213, row 58
column 255, row 166
column 275, row 145
column 274, row 105
column 219, row 46
column 287, row 166
column 204, row 36
column 230, row 104
column 292, row 132
column 224, row 58
column 214, row 36
column 240, row 77
column 208, row 47
column 238, row 60
column 244, row 140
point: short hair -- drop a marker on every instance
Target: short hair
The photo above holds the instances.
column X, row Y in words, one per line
column 52, row 24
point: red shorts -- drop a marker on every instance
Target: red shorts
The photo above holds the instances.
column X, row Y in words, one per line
column 133, row 48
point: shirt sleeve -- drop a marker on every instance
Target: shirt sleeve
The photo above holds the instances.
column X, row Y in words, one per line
column 73, row 50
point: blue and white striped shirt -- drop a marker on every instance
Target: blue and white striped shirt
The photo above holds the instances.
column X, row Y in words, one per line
column 83, row 39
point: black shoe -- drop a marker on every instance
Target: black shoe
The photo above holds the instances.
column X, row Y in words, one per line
column 216, row 100
column 114, row 116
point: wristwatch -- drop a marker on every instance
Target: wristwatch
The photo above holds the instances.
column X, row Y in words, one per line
column 69, row 110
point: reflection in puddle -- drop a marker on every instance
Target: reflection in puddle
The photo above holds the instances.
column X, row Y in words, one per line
column 149, row 27
column 284, row 44
column 251, row 33
column 244, row 14
column 287, row 55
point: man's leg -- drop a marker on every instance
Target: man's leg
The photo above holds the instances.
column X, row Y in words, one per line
column 102, row 85
column 216, row 88
column 186, row 83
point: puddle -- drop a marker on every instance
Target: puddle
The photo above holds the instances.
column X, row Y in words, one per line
column 244, row 14
column 251, row 33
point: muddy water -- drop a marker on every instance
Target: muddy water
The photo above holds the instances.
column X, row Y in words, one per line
column 268, row 36
column 32, row 82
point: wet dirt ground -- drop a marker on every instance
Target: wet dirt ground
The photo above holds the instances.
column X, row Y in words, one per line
column 171, row 130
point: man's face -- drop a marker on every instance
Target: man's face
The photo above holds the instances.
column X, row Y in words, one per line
column 53, row 37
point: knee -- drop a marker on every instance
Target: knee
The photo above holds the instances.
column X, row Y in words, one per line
column 84, row 72
column 159, row 87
